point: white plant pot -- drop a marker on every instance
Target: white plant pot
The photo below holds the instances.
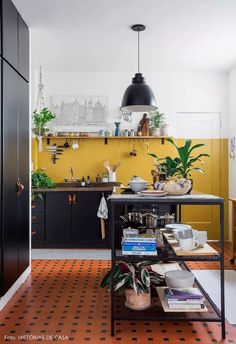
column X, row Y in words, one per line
column 155, row 131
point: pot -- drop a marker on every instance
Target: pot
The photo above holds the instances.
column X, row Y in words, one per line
column 135, row 217
column 150, row 220
column 137, row 184
column 155, row 131
column 40, row 131
column 136, row 301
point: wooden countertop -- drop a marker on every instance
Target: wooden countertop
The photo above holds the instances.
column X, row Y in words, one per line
column 64, row 188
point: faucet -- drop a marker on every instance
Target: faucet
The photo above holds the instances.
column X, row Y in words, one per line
column 71, row 173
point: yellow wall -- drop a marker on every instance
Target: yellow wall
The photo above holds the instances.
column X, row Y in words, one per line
column 87, row 160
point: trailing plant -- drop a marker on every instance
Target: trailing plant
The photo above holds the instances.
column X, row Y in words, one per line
column 184, row 164
column 156, row 119
column 41, row 180
column 36, row 195
column 138, row 277
column 41, row 118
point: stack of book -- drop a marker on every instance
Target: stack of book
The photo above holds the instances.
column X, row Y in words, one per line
column 184, row 298
column 139, row 244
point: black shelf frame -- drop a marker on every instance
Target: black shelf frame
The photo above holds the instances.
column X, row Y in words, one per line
column 119, row 311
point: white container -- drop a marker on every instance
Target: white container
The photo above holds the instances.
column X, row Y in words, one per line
column 112, row 177
column 179, row 279
column 137, row 184
column 129, row 230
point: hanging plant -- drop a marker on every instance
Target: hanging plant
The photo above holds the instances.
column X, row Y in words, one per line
column 40, row 119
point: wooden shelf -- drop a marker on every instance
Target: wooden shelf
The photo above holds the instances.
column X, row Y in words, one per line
column 106, row 138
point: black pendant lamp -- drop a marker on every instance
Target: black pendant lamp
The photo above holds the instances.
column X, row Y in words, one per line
column 138, row 96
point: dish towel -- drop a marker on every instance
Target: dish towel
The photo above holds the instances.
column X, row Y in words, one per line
column 103, row 214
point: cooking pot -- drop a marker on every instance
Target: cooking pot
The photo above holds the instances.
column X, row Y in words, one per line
column 150, row 220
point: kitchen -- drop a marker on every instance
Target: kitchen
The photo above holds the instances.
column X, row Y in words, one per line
column 83, row 85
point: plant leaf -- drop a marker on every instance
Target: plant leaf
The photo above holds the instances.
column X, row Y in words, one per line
column 145, row 278
column 121, row 282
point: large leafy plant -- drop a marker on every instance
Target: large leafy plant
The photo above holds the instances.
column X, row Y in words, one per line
column 138, row 277
column 184, row 163
column 41, row 118
column 41, row 180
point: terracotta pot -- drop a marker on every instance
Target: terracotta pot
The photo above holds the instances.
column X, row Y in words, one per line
column 137, row 301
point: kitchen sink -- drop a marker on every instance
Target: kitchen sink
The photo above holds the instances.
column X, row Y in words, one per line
column 67, row 185
column 77, row 184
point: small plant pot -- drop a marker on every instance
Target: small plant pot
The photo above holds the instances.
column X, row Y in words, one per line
column 40, row 131
column 136, row 301
column 155, row 132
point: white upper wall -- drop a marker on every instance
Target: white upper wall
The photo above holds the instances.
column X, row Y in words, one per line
column 94, row 35
column 175, row 93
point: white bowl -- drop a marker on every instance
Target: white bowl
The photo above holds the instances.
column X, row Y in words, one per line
column 137, row 186
column 179, row 279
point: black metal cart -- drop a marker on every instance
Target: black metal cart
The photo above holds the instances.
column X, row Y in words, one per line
column 120, row 204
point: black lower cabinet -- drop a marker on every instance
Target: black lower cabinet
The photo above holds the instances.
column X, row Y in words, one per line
column 58, row 219
column 15, row 167
column 85, row 223
column 70, row 221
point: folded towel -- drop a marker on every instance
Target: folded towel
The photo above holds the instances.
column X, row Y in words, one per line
column 103, row 214
column 103, row 209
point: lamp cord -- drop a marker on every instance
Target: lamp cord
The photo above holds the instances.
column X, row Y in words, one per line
column 138, row 52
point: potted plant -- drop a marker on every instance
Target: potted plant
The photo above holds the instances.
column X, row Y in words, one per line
column 135, row 281
column 157, row 121
column 40, row 180
column 40, row 119
column 184, row 163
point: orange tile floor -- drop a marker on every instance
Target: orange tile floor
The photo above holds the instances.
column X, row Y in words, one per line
column 62, row 299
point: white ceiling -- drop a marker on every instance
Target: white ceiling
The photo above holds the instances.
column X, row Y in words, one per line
column 94, row 35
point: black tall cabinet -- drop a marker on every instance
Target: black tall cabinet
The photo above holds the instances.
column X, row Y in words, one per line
column 14, row 153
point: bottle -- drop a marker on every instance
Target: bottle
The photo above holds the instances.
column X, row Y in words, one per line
column 131, row 132
column 98, row 179
column 139, row 132
column 88, row 182
column 82, row 183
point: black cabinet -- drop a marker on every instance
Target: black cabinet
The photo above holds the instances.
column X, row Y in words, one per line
column 10, row 33
column 15, row 39
column 9, row 177
column 58, row 219
column 23, row 174
column 71, row 221
column 38, row 220
column 23, row 36
column 14, row 150
column 15, row 176
column 85, row 223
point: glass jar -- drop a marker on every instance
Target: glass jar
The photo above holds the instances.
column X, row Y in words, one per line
column 105, row 178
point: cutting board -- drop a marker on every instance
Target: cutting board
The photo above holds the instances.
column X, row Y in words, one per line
column 207, row 250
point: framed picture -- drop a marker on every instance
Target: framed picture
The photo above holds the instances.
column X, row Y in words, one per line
column 78, row 111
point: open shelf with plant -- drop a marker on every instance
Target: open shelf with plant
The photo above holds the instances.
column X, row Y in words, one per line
column 119, row 309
